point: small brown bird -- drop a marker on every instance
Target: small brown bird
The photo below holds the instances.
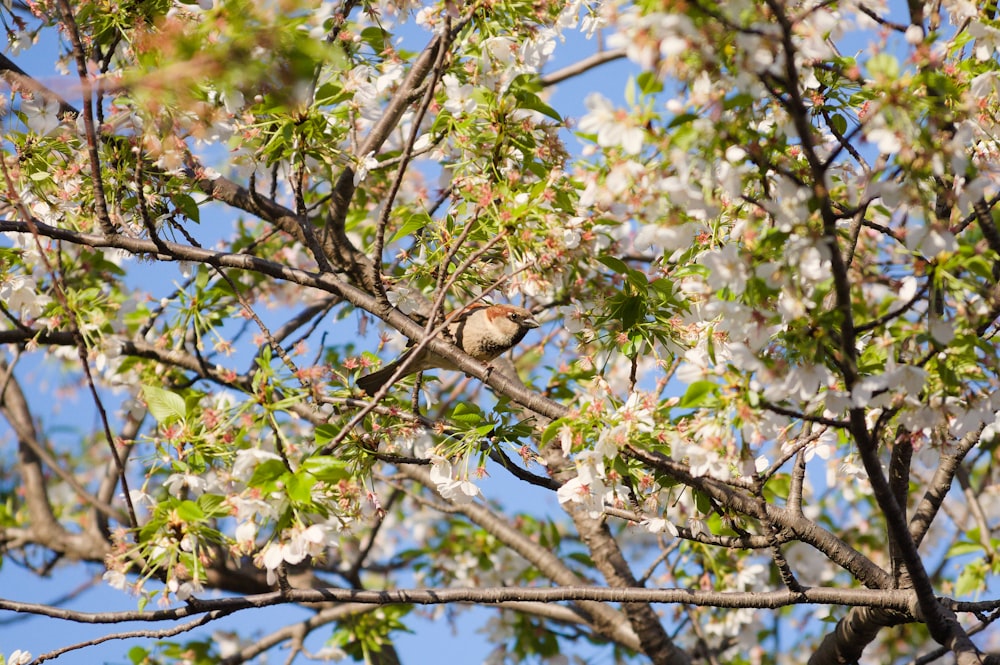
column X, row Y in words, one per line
column 483, row 331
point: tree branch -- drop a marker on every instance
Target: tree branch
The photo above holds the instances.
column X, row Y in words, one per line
column 804, row 529
column 603, row 619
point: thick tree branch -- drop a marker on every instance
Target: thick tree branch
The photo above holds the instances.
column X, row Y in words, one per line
column 44, row 527
column 19, row 80
column 335, row 237
column 324, row 282
column 610, row 561
column 896, row 599
column 802, row 528
column 604, row 619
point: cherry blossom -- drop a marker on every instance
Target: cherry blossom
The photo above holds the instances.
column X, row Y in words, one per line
column 727, row 269
column 587, row 488
column 20, row 294
column 612, row 127
column 42, row 114
column 455, row 488
column 19, row 657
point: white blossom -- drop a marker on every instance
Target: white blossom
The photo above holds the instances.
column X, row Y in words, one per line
column 116, row 579
column 726, row 269
column 612, row 127
column 365, row 164
column 941, row 330
column 19, row 657
column 247, row 459
column 391, row 75
column 177, row 483
column 297, row 544
column 886, row 140
column 588, row 487
column 459, row 96
column 801, row 382
column 660, row 525
column 914, row 34
column 407, row 300
column 20, row 294
column 647, row 38
column 41, row 114
column 705, row 462
column 987, row 39
column 184, row 590
column 537, row 51
column 450, row 486
column 931, row 242
column 590, row 24
column 246, row 533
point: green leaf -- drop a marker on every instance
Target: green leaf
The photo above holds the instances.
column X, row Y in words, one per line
column 300, row 486
column 327, row 468
column 187, row 206
column 634, row 345
column 839, row 124
column 614, row 263
column 978, row 265
column 485, row 430
column 630, row 310
column 884, row 65
column 374, row 37
column 702, row 502
column 165, row 406
column 469, row 414
column 964, row 547
column 413, row 223
column 532, row 102
column 649, row 83
column 189, row 511
column 553, row 429
column 138, row 655
column 324, row 434
column 738, row 101
column 330, row 92
column 696, row 394
column 971, row 579
column 663, row 286
column 214, row 505
column 638, row 279
column 265, row 472
column 682, row 119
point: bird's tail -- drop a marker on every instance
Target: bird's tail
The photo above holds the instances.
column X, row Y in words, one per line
column 372, row 383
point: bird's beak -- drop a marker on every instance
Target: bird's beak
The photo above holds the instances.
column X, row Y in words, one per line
column 530, row 323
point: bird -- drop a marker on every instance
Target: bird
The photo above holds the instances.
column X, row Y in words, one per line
column 483, row 331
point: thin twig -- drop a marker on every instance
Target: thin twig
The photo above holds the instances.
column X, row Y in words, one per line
column 397, row 182
column 69, row 22
column 582, row 66
column 155, row 634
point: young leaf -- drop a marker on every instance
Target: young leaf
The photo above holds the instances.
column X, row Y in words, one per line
column 165, row 406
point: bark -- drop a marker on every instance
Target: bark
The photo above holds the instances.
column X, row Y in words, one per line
column 609, row 560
